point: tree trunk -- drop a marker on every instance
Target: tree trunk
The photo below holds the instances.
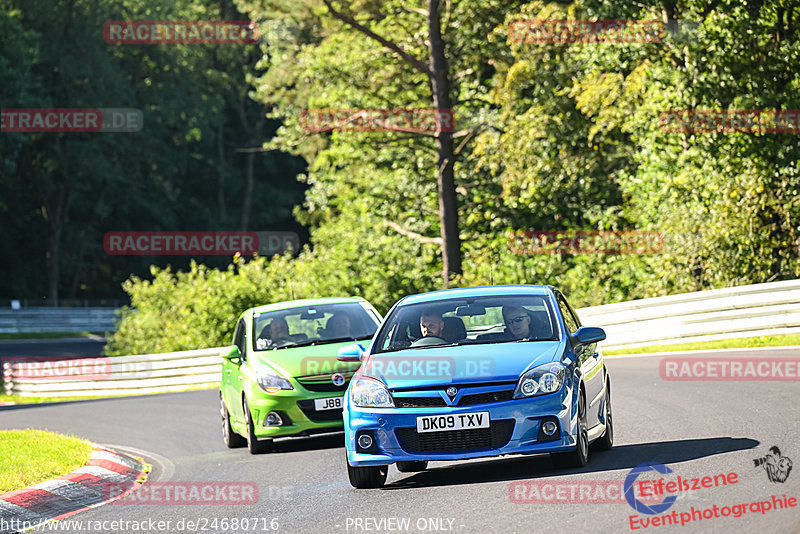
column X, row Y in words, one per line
column 448, row 202
column 248, row 191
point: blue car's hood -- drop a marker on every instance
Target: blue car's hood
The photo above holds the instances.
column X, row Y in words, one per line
column 425, row 367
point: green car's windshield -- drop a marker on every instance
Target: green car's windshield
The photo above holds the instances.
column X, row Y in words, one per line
column 497, row 319
column 313, row 325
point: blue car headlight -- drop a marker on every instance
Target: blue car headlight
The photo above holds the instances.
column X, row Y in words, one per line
column 547, row 378
column 370, row 393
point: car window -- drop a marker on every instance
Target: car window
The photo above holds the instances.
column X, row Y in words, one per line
column 477, row 320
column 569, row 319
column 313, row 325
column 239, row 337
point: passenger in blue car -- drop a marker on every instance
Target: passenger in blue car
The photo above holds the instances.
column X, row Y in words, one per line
column 518, row 322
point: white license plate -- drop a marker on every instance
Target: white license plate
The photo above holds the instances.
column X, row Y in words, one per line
column 331, row 403
column 461, row 421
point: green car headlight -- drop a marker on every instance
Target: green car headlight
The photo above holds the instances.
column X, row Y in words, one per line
column 541, row 380
column 271, row 382
column 370, row 393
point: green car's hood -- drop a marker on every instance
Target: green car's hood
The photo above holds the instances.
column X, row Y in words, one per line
column 312, row 360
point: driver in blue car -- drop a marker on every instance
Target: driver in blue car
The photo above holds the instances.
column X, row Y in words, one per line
column 432, row 326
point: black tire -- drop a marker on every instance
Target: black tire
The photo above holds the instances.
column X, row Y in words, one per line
column 231, row 439
column 367, row 477
column 605, row 442
column 580, row 456
column 412, row 467
column 254, row 445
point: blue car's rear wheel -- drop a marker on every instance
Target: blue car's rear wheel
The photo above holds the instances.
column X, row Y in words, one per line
column 373, row 476
column 412, row 467
column 607, row 440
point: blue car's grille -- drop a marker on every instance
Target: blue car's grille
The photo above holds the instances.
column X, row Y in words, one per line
column 496, row 436
column 466, row 400
column 418, row 402
column 485, row 398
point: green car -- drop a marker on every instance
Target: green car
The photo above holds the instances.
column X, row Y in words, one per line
column 281, row 376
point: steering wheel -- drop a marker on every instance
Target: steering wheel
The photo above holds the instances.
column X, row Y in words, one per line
column 429, row 341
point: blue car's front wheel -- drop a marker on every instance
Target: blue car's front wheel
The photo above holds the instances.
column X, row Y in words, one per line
column 580, row 456
column 367, row 477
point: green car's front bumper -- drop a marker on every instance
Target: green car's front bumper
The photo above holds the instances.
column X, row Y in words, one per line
column 296, row 408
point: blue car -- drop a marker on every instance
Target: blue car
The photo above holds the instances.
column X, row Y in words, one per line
column 476, row 372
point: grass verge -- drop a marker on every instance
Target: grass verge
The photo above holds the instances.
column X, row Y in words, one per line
column 733, row 343
column 31, row 456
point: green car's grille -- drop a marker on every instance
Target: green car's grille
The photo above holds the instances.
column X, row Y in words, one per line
column 323, row 386
column 307, row 406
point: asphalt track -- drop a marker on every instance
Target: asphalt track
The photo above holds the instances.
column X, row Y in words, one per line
column 697, row 429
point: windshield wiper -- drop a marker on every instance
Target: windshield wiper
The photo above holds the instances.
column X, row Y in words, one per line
column 312, row 342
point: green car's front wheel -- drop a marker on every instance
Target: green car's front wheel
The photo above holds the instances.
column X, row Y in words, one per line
column 232, row 439
column 254, row 445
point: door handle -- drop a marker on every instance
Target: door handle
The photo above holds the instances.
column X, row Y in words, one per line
column 241, row 377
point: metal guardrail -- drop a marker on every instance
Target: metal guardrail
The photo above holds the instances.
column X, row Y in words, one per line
column 745, row 311
column 28, row 320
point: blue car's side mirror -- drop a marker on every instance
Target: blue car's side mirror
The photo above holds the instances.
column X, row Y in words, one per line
column 586, row 335
column 351, row 353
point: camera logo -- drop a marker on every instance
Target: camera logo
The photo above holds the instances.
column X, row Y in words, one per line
column 777, row 467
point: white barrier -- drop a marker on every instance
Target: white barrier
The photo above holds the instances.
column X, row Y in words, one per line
column 123, row 375
column 744, row 311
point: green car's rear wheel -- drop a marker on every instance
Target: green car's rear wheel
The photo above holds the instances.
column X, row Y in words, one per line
column 232, row 439
column 254, row 445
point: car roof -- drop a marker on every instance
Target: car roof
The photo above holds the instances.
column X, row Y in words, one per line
column 289, row 304
column 480, row 291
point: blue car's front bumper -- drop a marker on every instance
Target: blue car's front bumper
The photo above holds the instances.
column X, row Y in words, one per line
column 526, row 415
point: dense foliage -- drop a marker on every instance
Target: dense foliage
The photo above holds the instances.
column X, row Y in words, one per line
column 550, row 136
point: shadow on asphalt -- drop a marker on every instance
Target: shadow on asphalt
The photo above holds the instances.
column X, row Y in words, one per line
column 310, row 443
column 541, row 466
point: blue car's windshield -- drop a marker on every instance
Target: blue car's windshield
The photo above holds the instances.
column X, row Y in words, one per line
column 491, row 319
column 313, row 325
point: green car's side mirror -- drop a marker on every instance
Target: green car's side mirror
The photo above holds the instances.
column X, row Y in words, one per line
column 232, row 354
